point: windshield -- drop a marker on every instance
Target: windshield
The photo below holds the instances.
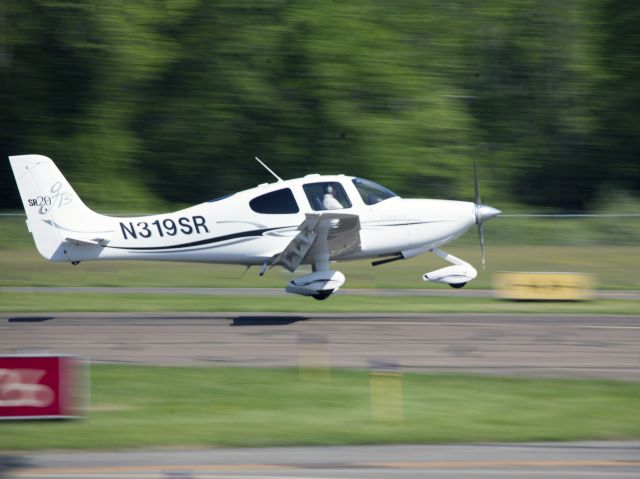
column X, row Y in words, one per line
column 371, row 192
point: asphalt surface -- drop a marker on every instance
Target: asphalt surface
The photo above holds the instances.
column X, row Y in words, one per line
column 434, row 292
column 531, row 345
column 508, row 344
column 524, row 461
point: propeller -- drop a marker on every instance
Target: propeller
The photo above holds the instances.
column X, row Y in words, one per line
column 483, row 212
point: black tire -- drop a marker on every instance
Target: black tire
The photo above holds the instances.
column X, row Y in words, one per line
column 321, row 296
column 457, row 285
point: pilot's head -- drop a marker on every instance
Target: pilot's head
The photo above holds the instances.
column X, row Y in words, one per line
column 329, row 190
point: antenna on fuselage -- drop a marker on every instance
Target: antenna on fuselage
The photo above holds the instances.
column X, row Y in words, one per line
column 268, row 169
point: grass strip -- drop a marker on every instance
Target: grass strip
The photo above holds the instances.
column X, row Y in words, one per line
column 135, row 406
column 614, row 266
column 87, row 302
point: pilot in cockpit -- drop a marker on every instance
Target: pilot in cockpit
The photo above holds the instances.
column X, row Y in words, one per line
column 329, row 201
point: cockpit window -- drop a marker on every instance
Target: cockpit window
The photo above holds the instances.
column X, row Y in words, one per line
column 327, row 195
column 279, row 202
column 371, row 192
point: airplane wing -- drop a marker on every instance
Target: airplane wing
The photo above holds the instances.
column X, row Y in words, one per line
column 343, row 237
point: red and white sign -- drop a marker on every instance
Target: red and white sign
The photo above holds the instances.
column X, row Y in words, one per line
column 41, row 387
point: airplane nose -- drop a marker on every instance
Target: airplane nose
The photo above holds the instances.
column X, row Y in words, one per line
column 485, row 212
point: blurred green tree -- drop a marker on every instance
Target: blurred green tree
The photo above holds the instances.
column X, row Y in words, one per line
column 148, row 103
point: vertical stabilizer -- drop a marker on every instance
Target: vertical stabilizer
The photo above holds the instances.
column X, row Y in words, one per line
column 54, row 210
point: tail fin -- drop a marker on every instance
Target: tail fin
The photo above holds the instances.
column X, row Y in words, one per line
column 55, row 214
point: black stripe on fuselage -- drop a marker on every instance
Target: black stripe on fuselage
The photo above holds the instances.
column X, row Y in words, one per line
column 376, row 224
column 414, row 223
column 242, row 234
column 217, row 239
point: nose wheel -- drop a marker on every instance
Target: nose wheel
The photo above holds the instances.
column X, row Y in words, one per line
column 455, row 276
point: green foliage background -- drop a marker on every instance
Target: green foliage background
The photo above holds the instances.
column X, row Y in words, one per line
column 148, row 103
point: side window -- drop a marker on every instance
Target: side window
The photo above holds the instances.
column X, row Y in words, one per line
column 279, row 202
column 328, row 195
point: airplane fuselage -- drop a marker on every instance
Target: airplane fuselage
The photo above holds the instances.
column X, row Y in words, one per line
column 230, row 230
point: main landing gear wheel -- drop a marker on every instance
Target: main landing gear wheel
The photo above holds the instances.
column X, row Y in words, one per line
column 457, row 285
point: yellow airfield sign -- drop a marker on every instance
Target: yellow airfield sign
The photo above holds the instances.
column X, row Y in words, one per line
column 544, row 286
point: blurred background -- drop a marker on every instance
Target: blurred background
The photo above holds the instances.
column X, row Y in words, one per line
column 152, row 105
column 157, row 104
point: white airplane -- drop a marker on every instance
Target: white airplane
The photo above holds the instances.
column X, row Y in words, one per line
column 316, row 220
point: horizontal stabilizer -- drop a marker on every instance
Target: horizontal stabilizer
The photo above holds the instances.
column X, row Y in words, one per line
column 86, row 241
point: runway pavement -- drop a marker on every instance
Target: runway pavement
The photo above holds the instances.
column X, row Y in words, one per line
column 508, row 344
column 523, row 461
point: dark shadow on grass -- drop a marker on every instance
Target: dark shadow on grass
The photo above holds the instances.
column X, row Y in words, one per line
column 31, row 319
column 266, row 320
